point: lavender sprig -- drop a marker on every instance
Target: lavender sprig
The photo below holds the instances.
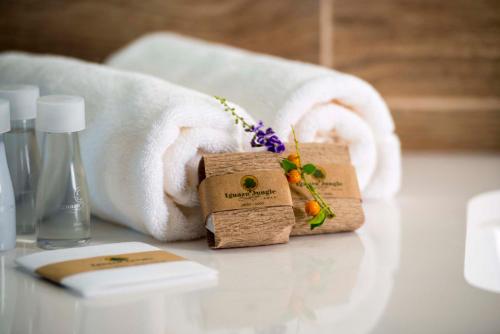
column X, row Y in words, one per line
column 261, row 137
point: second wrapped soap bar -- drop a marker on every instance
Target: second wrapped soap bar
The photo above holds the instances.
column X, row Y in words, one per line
column 245, row 199
column 336, row 181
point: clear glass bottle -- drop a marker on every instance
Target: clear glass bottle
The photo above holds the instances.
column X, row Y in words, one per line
column 63, row 208
column 7, row 205
column 23, row 155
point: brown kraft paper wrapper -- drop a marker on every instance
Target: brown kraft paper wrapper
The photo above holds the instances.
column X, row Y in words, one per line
column 245, row 199
column 336, row 182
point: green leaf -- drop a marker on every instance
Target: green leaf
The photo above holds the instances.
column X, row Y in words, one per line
column 317, row 220
column 287, row 165
column 318, row 173
column 309, row 169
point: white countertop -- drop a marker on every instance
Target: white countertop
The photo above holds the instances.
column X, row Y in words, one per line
column 402, row 272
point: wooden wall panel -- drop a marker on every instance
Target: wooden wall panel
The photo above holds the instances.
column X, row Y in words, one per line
column 421, row 47
column 436, row 62
column 92, row 29
column 462, row 123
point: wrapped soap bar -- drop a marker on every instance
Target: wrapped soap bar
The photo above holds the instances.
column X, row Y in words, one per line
column 115, row 268
column 245, row 199
column 335, row 179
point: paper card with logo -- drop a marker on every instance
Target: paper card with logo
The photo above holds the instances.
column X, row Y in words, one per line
column 245, row 199
column 335, row 179
column 116, row 268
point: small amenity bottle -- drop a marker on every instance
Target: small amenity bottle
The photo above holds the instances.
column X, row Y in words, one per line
column 62, row 204
column 23, row 155
column 7, row 206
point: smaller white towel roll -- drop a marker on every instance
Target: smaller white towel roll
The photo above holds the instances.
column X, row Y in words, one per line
column 316, row 100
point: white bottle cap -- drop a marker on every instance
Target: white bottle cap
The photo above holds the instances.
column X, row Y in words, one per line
column 4, row 116
column 22, row 100
column 60, row 113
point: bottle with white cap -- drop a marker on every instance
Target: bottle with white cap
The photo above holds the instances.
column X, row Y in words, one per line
column 7, row 204
column 63, row 211
column 23, row 155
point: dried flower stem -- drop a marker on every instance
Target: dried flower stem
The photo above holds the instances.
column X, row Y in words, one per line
column 232, row 111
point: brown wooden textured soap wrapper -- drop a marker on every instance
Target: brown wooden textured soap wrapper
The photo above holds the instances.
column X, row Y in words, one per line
column 264, row 224
column 339, row 188
column 56, row 272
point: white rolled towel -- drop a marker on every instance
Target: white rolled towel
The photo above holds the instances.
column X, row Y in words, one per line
column 314, row 99
column 143, row 140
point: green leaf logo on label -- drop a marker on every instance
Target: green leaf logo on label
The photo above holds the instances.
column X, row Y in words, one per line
column 249, row 182
column 117, row 259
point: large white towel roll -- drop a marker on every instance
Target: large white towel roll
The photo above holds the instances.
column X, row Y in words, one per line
column 143, row 140
column 317, row 100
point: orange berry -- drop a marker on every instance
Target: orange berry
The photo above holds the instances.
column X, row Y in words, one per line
column 294, row 158
column 312, row 208
column 293, row 176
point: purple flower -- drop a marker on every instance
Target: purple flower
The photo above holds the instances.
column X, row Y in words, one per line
column 260, row 137
column 267, row 138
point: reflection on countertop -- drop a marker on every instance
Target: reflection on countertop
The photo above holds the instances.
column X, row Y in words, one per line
column 401, row 272
column 310, row 285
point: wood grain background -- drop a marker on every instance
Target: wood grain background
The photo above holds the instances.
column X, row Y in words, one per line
column 436, row 62
column 92, row 29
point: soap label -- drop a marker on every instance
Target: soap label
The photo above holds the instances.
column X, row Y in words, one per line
column 263, row 188
column 331, row 180
column 56, row 272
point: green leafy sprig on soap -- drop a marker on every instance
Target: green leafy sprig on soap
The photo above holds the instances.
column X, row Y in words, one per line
column 317, row 207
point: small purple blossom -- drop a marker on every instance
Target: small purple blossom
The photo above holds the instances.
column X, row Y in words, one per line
column 267, row 138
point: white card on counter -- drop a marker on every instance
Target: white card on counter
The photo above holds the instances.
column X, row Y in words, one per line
column 115, row 268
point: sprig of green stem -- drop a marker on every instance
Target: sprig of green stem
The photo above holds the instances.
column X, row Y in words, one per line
column 314, row 193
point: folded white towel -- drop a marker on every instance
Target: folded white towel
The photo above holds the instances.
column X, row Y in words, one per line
column 120, row 279
column 280, row 92
column 143, row 140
